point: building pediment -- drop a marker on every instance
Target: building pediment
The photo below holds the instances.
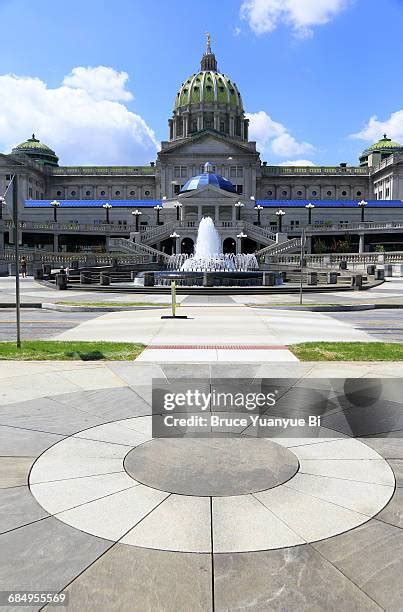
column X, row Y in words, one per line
column 208, row 143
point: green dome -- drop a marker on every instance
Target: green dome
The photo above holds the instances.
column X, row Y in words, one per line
column 384, row 144
column 38, row 151
column 208, row 86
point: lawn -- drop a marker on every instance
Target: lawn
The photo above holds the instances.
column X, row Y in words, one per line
column 38, row 350
column 348, row 351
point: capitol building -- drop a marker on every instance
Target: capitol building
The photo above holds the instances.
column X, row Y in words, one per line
column 208, row 166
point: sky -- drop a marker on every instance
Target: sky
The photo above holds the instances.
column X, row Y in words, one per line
column 96, row 80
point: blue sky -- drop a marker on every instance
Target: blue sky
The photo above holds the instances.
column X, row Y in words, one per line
column 311, row 73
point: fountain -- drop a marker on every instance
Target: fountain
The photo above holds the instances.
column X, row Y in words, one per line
column 209, row 267
column 208, row 257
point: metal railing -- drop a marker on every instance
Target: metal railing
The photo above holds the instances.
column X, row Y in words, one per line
column 135, row 247
column 282, row 247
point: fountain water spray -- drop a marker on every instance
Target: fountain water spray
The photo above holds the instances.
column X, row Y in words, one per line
column 208, row 256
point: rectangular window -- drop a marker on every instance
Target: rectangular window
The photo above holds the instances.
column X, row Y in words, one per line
column 232, row 172
column 30, row 192
column 184, row 172
column 177, row 171
column 239, row 171
column 239, row 189
column 8, row 177
column 177, row 189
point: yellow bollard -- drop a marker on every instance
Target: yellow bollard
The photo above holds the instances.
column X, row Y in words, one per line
column 173, row 298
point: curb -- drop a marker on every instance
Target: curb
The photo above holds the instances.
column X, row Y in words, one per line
column 67, row 308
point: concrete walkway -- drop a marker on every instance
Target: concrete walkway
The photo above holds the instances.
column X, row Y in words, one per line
column 215, row 333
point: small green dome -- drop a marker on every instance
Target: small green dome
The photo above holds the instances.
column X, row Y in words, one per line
column 208, row 86
column 38, row 151
column 384, row 144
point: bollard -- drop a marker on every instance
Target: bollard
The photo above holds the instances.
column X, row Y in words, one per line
column 104, row 279
column 38, row 274
column 149, row 279
column 379, row 274
column 356, row 281
column 343, row 265
column 312, row 278
column 371, row 270
column 332, row 278
column 269, row 279
column 61, row 280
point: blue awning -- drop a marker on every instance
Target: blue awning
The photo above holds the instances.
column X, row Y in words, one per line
column 93, row 203
column 329, row 203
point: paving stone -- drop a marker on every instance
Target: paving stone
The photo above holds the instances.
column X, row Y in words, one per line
column 361, row 421
column 116, row 433
column 14, row 471
column 207, row 467
column 112, row 516
column 284, row 580
column 16, row 442
column 361, row 497
column 390, row 447
column 336, row 449
column 64, row 494
column 371, row 556
column 180, row 523
column 109, row 404
column 241, row 523
column 375, row 471
column 18, row 507
column 45, row 555
column 393, row 513
column 130, row 579
column 311, row 518
column 397, row 467
column 47, row 415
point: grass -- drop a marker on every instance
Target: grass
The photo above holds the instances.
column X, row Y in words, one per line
column 38, row 350
column 348, row 351
column 105, row 304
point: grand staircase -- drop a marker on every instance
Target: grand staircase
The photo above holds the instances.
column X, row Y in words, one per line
column 123, row 245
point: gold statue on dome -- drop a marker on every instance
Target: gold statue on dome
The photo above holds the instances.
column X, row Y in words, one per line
column 208, row 40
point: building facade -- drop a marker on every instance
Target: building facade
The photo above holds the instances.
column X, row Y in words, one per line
column 208, row 124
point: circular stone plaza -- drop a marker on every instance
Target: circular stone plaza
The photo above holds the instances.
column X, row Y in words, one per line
column 222, row 467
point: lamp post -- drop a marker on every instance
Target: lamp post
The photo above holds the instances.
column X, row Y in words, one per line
column 280, row 214
column 362, row 205
column 259, row 209
column 238, row 206
column 107, row 207
column 175, row 237
column 55, row 204
column 158, row 208
column 178, row 206
column 136, row 214
column 240, row 237
column 14, row 183
column 310, row 207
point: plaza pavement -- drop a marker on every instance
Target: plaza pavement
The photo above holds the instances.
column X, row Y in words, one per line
column 91, row 506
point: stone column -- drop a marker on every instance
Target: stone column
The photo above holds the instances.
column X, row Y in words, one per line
column 199, row 212
column 216, row 213
column 361, row 243
column 308, row 244
column 56, row 243
column 178, row 245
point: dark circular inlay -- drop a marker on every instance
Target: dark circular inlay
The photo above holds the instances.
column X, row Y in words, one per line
column 207, row 467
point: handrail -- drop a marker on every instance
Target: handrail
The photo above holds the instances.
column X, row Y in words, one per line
column 129, row 245
column 282, row 247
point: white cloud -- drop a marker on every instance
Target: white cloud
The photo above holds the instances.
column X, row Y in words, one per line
column 374, row 129
column 82, row 119
column 273, row 137
column 264, row 16
column 297, row 162
column 102, row 82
